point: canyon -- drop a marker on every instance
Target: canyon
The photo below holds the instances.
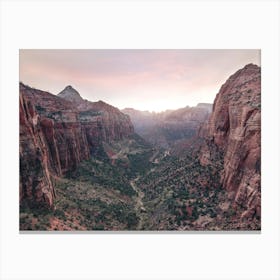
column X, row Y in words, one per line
column 56, row 135
column 89, row 166
column 165, row 129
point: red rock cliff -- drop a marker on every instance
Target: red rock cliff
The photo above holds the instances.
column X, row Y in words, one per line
column 55, row 135
column 234, row 129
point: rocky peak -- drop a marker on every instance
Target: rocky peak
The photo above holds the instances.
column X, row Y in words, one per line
column 69, row 93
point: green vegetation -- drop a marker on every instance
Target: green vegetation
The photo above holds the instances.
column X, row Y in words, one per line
column 104, row 174
column 34, row 217
column 85, row 115
column 139, row 163
column 55, row 115
column 179, row 191
column 128, row 185
column 96, row 196
column 40, row 109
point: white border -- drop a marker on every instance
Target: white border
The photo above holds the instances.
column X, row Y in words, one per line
column 155, row 24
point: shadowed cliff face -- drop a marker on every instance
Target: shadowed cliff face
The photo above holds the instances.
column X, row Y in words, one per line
column 56, row 135
column 234, row 129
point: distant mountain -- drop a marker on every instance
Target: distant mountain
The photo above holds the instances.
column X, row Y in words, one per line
column 142, row 120
column 207, row 106
column 167, row 128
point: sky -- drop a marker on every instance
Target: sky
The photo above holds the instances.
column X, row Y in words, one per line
column 154, row 80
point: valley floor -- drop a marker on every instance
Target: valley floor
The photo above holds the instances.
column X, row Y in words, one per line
column 138, row 187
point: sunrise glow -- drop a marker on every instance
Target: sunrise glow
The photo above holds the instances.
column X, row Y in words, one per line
column 153, row 80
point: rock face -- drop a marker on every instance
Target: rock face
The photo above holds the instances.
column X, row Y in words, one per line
column 234, row 132
column 55, row 135
column 167, row 128
column 35, row 179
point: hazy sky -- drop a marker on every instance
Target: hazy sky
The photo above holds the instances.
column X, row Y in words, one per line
column 152, row 80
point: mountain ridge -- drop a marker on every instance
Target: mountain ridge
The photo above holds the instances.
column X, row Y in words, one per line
column 158, row 128
column 56, row 135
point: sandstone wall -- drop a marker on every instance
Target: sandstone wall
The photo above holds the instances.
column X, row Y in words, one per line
column 55, row 136
column 234, row 129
